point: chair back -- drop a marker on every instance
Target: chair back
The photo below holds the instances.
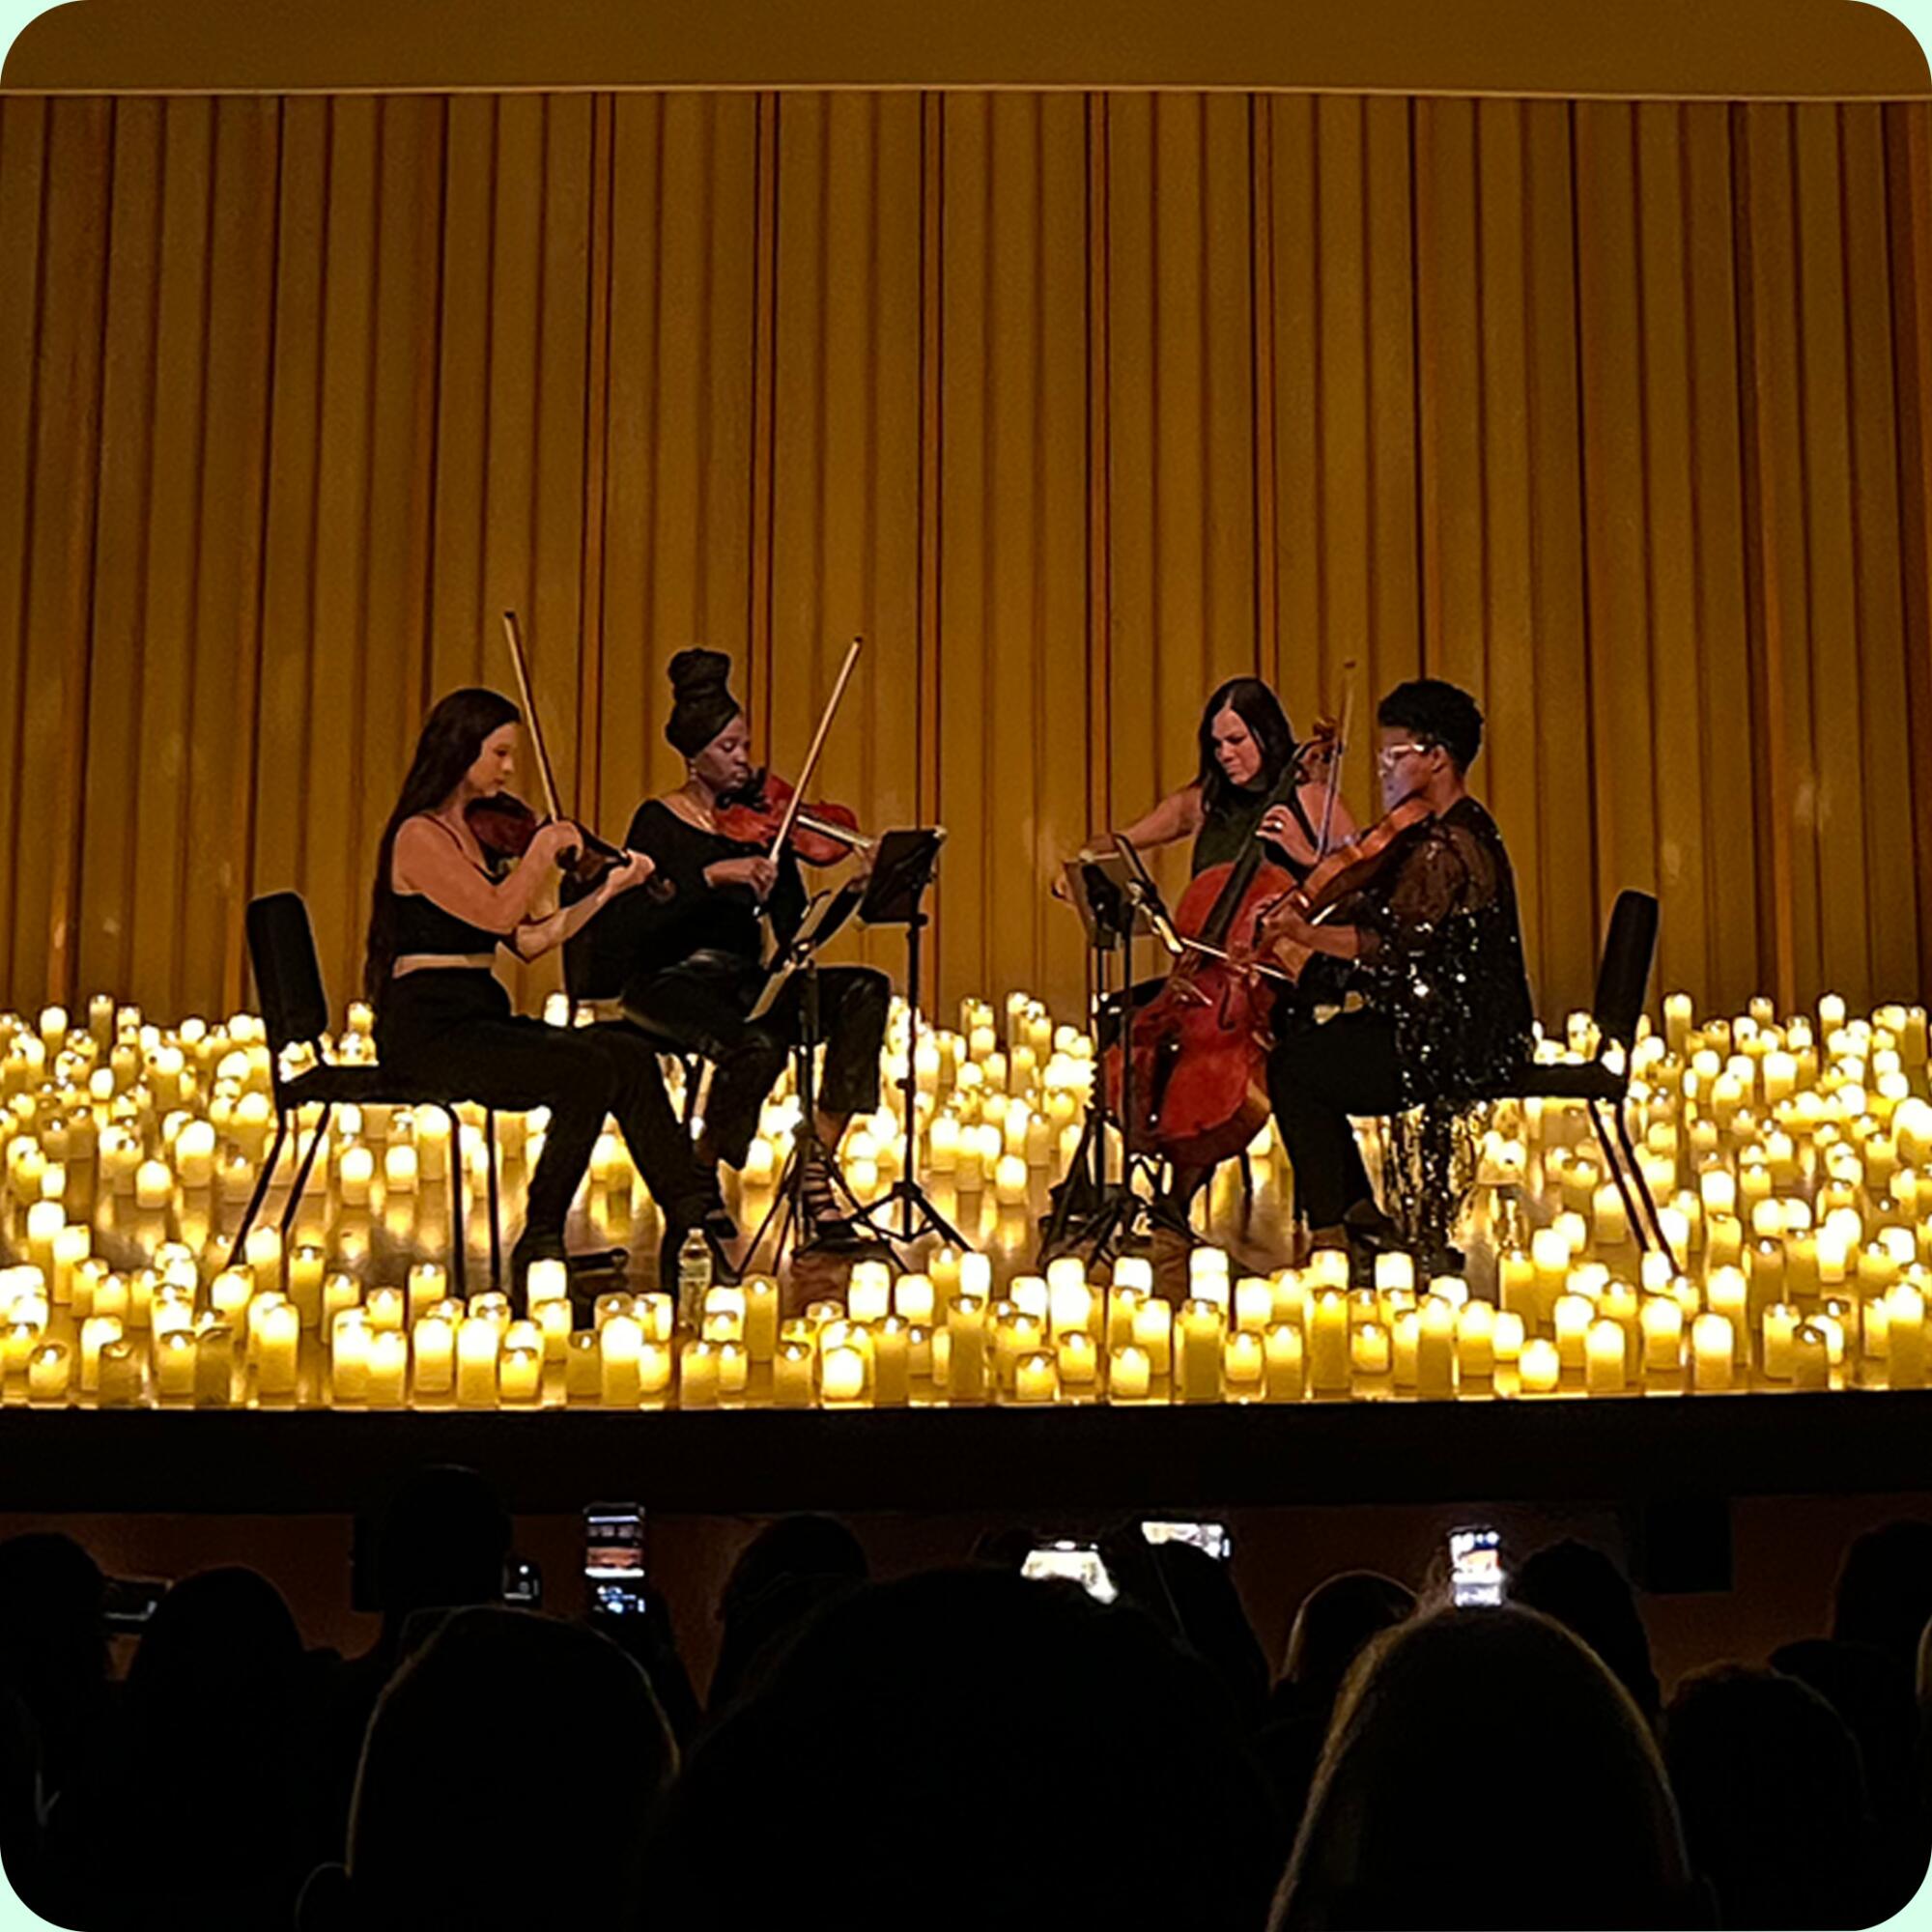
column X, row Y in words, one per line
column 288, row 976
column 1623, row 975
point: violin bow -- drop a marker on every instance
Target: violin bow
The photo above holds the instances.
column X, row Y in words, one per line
column 515, row 637
column 1342, row 737
column 810, row 764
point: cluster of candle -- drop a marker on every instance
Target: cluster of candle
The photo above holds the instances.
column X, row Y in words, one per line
column 1795, row 1160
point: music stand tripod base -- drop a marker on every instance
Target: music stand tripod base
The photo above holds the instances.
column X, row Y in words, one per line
column 1116, row 902
column 902, row 870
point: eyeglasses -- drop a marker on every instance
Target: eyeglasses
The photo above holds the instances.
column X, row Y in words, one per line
column 1391, row 755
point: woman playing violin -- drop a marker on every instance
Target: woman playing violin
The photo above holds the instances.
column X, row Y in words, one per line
column 691, row 971
column 1436, row 952
column 441, row 907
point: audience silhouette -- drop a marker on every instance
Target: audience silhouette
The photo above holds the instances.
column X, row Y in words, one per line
column 951, row 1749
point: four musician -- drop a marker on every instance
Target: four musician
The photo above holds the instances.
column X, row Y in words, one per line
column 1424, row 1008
column 440, row 912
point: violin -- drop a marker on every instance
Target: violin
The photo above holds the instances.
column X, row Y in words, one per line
column 504, row 825
column 1200, row 1044
column 822, row 834
column 1344, row 872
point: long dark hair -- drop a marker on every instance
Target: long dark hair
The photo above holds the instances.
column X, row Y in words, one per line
column 452, row 737
column 1259, row 710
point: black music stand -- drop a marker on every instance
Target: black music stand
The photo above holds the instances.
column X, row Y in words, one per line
column 1117, row 901
column 901, row 872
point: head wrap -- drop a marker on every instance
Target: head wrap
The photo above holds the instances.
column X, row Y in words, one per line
column 701, row 703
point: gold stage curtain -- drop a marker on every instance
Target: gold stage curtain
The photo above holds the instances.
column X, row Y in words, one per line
column 1072, row 404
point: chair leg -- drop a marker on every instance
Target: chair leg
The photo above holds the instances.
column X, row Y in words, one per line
column 294, row 1203
column 1630, row 1215
column 1643, row 1183
column 459, row 1213
column 262, row 1180
column 495, row 1216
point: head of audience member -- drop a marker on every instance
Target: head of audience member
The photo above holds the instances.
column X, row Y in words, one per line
column 788, row 1572
column 53, row 1639
column 1335, row 1620
column 217, row 1706
column 1884, row 1593
column 945, row 1707
column 1447, row 1718
column 504, row 1742
column 442, row 1545
column 1772, row 1796
column 1872, row 1694
column 1213, row 1622
column 1586, row 1593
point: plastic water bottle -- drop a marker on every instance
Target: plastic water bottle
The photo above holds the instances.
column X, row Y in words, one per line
column 694, row 1278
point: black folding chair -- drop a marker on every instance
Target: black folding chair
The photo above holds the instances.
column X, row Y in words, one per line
column 1623, row 975
column 295, row 1011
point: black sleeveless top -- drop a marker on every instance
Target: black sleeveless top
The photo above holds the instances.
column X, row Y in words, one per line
column 424, row 926
column 1228, row 828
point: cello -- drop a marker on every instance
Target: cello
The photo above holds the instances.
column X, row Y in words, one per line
column 1200, row 1044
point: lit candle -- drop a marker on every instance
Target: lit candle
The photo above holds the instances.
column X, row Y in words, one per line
column 280, row 1338
column 1328, row 1344
column 1662, row 1322
column 1539, row 1367
column 354, row 1172
column 1282, row 1362
column 1603, row 1363
column 478, row 1342
column 1201, row 1335
column 435, row 1352
column 174, row 1366
column 1369, row 1350
column 792, row 1376
column 868, row 1293
column 1550, row 1258
column 1475, row 1341
column 47, row 1370
column 1037, row 1379
column 1129, row 1374
column 1436, row 1347
column 583, row 1366
column 1810, row 1357
column 1905, row 1321
column 520, row 1375
column 386, row 1309
column 622, row 1341
column 1727, row 1294
column 1613, row 1224
column 842, row 1376
column 1516, row 1283
column 1254, row 1304
column 762, row 1317
column 95, row 1335
column 1571, row 1318
column 1712, row 1351
column 1154, row 1334
column 214, row 1363
column 119, row 1375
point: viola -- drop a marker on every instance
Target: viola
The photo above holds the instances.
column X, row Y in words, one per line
column 1344, row 872
column 822, row 834
column 1200, row 1044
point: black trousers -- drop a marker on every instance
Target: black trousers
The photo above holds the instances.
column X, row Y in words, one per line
column 453, row 1031
column 701, row 1004
column 1318, row 1077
